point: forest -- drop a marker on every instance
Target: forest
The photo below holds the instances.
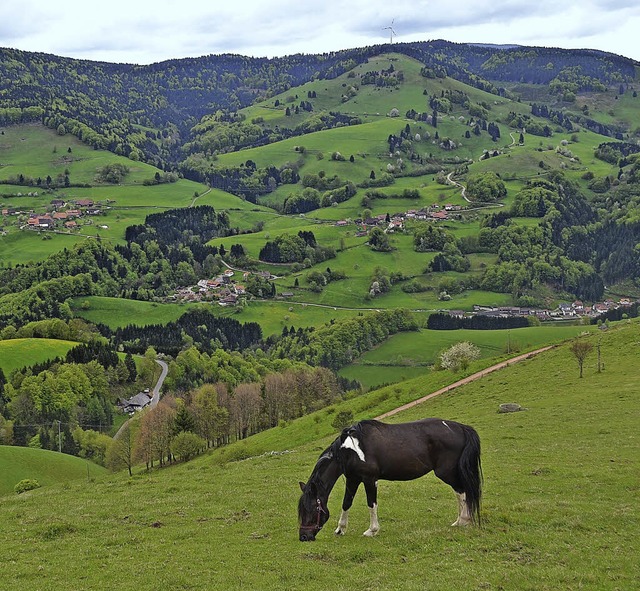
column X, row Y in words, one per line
column 158, row 113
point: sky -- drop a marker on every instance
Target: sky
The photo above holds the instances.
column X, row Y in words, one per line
column 145, row 31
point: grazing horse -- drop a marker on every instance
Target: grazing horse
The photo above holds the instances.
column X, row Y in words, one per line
column 371, row 450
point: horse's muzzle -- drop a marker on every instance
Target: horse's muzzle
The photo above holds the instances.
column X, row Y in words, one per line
column 307, row 537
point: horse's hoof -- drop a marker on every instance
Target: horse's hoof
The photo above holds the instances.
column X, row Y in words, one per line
column 340, row 532
column 369, row 533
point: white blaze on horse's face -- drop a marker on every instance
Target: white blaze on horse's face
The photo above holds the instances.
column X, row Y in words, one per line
column 352, row 443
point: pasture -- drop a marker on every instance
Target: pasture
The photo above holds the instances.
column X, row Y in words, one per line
column 47, row 467
column 406, row 355
column 559, row 511
column 17, row 353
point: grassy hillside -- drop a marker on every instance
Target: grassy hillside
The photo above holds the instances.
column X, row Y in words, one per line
column 37, row 152
column 559, row 505
column 407, row 355
column 47, row 467
column 16, row 353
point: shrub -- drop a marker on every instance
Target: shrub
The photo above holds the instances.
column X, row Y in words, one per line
column 25, row 485
column 343, row 420
column 185, row 445
column 459, row 356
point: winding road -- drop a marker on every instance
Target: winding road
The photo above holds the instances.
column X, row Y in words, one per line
column 155, row 398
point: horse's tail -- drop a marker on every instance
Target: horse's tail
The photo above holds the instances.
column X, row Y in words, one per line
column 470, row 472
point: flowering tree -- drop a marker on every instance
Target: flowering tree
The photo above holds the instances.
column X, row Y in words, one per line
column 459, row 356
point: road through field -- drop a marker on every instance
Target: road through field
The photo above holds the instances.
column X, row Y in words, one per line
column 463, row 381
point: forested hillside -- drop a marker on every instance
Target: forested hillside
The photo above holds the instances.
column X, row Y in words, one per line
column 147, row 112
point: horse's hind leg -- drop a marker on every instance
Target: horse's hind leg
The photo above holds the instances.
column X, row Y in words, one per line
column 451, row 478
column 350, row 490
column 372, row 501
column 463, row 511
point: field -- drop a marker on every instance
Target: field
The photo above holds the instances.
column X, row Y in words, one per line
column 560, row 501
column 17, row 353
column 47, row 467
column 406, row 355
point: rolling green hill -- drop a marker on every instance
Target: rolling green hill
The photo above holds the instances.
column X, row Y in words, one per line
column 17, row 353
column 559, row 500
column 47, row 467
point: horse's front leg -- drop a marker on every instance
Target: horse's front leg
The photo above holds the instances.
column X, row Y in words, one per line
column 371, row 488
column 350, row 490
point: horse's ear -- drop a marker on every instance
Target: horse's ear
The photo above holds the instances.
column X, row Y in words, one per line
column 301, row 485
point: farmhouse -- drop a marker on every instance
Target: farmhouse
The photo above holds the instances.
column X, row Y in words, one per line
column 135, row 403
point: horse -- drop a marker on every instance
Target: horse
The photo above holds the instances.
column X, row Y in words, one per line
column 370, row 451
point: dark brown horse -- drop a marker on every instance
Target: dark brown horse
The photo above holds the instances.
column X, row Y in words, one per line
column 371, row 450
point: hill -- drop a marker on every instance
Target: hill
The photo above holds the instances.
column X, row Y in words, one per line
column 558, row 506
column 17, row 353
column 148, row 110
column 47, row 467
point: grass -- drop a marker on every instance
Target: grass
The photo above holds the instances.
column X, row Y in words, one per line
column 47, row 467
column 407, row 355
column 559, row 510
column 17, row 353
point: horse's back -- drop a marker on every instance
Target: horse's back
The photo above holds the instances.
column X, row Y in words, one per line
column 404, row 451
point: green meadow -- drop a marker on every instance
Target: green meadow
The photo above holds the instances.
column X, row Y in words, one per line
column 559, row 510
column 17, row 353
column 409, row 354
column 47, row 467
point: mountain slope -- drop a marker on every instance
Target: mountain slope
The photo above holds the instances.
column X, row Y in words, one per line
column 560, row 480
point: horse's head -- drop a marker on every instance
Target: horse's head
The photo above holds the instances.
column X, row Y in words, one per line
column 312, row 511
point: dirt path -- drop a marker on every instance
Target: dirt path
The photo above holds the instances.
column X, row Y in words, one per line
column 463, row 381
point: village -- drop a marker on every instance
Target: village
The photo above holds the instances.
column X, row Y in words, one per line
column 396, row 222
column 60, row 214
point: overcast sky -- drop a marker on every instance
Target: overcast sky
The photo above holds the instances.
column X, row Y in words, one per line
column 145, row 31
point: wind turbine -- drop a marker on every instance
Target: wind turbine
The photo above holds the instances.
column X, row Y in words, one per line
column 391, row 31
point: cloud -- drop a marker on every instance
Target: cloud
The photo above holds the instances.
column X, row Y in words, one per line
column 146, row 32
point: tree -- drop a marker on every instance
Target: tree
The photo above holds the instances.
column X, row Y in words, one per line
column 185, row 445
column 131, row 367
column 458, row 356
column 580, row 350
column 120, row 452
column 379, row 241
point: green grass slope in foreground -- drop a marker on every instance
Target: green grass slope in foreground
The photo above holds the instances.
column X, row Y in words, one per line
column 47, row 467
column 560, row 509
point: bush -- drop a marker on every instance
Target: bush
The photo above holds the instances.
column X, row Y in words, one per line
column 25, row 485
column 185, row 445
column 459, row 356
column 343, row 420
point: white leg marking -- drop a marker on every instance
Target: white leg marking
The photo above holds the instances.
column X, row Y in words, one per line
column 463, row 511
column 342, row 523
column 352, row 443
column 374, row 527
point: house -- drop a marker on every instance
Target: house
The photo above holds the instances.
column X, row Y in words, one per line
column 566, row 310
column 240, row 289
column 60, row 215
column 57, row 203
column 341, row 223
column 40, row 221
column 71, row 224
column 73, row 213
column 229, row 300
column 84, row 202
column 439, row 215
column 135, row 403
